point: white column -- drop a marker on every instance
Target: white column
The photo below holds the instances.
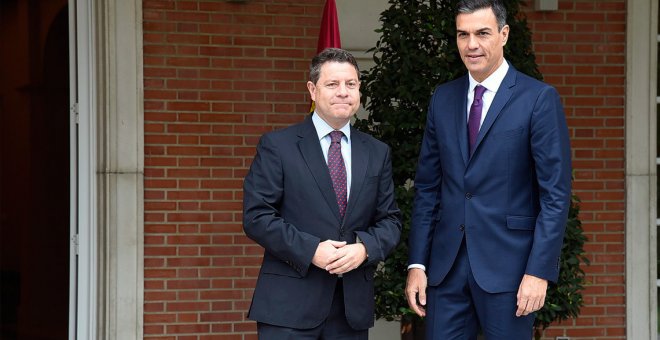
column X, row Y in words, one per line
column 120, row 169
column 641, row 176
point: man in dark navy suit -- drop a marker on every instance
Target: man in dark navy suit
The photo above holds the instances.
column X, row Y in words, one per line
column 493, row 188
column 319, row 198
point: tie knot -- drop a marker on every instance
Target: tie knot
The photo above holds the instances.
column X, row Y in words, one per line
column 479, row 92
column 335, row 136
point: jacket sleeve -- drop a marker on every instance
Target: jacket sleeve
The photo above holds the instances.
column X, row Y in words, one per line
column 426, row 205
column 262, row 221
column 381, row 238
column 551, row 151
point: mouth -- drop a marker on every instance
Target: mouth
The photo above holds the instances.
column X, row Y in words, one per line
column 474, row 57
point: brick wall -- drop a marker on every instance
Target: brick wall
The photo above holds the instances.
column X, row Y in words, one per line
column 217, row 75
column 581, row 50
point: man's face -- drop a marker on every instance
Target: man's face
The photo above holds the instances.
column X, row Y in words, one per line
column 336, row 93
column 480, row 44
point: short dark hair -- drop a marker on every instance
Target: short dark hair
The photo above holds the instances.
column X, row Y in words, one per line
column 330, row 55
column 471, row 6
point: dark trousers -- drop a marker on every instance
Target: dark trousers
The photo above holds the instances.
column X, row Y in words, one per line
column 335, row 327
column 458, row 307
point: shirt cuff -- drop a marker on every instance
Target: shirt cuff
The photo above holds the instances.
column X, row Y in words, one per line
column 357, row 240
column 418, row 266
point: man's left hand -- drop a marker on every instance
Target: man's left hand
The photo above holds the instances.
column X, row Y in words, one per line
column 348, row 258
column 531, row 294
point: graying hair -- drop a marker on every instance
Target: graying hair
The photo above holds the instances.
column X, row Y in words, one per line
column 330, row 55
column 471, row 6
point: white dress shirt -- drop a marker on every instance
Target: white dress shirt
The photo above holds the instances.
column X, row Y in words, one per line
column 323, row 130
column 492, row 84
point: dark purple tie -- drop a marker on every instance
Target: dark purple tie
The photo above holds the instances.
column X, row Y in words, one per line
column 475, row 116
column 337, row 170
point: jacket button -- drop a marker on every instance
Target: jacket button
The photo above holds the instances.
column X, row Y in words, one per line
column 462, row 227
column 468, row 195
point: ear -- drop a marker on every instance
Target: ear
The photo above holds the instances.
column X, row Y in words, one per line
column 505, row 34
column 312, row 90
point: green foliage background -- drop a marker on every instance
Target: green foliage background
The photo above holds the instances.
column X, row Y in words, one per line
column 415, row 53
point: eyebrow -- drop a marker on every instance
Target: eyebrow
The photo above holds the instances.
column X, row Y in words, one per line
column 339, row 81
column 484, row 29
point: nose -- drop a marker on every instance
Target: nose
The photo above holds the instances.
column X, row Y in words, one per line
column 342, row 90
column 472, row 42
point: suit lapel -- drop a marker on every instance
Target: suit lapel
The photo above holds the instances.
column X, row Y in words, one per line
column 501, row 98
column 461, row 121
column 359, row 162
column 310, row 148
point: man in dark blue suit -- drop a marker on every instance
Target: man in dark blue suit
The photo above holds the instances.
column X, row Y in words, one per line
column 319, row 198
column 493, row 188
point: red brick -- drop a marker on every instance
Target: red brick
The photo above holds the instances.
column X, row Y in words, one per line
column 188, row 318
column 159, row 273
column 189, row 328
column 188, row 284
column 159, row 251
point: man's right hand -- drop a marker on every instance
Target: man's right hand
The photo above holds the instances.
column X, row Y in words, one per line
column 416, row 291
column 326, row 253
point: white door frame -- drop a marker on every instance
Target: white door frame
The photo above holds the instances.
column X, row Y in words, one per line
column 84, row 239
column 73, row 173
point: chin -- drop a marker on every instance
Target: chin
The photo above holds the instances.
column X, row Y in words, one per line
column 342, row 115
column 475, row 72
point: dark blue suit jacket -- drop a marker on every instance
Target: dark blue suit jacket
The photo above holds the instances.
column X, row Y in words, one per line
column 290, row 206
column 510, row 199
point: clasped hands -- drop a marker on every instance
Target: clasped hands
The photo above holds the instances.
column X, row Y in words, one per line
column 530, row 297
column 338, row 257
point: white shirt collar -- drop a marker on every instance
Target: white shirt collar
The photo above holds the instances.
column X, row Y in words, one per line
column 323, row 129
column 493, row 82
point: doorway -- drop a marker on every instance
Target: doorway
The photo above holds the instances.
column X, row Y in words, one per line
column 34, row 170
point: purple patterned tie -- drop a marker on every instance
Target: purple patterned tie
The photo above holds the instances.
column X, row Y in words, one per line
column 475, row 116
column 337, row 170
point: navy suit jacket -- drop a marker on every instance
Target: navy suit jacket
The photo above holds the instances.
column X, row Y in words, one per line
column 509, row 200
column 290, row 206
